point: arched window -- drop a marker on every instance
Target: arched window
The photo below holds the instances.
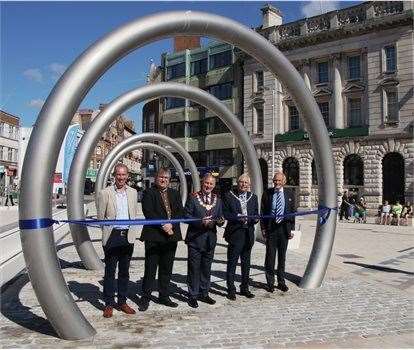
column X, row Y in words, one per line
column 291, row 170
column 314, row 174
column 353, row 170
column 393, row 176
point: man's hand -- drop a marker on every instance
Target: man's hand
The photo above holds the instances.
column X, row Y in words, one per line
column 291, row 235
column 207, row 221
column 264, row 233
column 168, row 229
column 242, row 220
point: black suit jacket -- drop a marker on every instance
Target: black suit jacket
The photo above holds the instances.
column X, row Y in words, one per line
column 153, row 208
column 266, row 208
column 196, row 231
column 232, row 207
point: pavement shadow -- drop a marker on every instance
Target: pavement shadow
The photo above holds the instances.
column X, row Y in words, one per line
column 379, row 268
column 13, row 309
column 87, row 292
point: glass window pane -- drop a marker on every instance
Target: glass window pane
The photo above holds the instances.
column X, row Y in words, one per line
column 221, row 59
column 293, row 118
column 354, row 67
column 199, row 67
column 354, row 110
column 390, row 58
column 176, row 71
column 324, row 107
column 392, row 106
column 323, row 72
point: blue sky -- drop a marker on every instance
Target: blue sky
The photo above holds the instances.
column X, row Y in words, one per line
column 39, row 40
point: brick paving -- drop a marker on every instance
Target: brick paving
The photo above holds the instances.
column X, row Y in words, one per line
column 349, row 309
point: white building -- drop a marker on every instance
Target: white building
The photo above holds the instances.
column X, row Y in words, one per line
column 358, row 64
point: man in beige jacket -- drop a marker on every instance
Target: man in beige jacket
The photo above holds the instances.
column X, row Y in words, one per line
column 119, row 202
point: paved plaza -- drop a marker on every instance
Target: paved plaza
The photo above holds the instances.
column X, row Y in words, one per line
column 366, row 301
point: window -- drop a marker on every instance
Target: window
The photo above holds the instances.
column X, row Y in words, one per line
column 2, row 150
column 11, row 131
column 314, row 174
column 10, row 154
column 392, row 106
column 354, row 112
column 221, row 157
column 323, row 76
column 176, row 71
column 200, row 158
column 2, row 128
column 199, row 67
column 390, row 59
column 222, row 91
column 259, row 80
column 173, row 102
column 221, row 59
column 293, row 118
column 15, row 153
column 291, row 170
column 353, row 170
column 175, row 130
column 324, row 107
column 216, row 126
column 354, row 67
column 258, row 111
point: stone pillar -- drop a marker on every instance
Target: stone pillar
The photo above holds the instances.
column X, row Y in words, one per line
column 305, row 180
column 337, row 93
column 372, row 177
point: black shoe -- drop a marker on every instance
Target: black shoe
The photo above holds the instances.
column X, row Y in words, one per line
column 283, row 287
column 192, row 302
column 247, row 294
column 270, row 289
column 231, row 296
column 207, row 299
column 144, row 303
column 167, row 302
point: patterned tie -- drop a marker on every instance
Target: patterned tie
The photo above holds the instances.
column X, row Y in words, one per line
column 279, row 207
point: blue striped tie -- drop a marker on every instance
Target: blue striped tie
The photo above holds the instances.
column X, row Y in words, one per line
column 279, row 207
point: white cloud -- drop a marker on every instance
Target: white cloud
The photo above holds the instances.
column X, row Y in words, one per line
column 315, row 8
column 36, row 103
column 33, row 74
column 57, row 70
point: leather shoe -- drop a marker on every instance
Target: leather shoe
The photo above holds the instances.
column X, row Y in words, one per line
column 247, row 294
column 192, row 302
column 270, row 289
column 283, row 287
column 127, row 309
column 207, row 299
column 231, row 296
column 144, row 303
column 108, row 311
column 167, row 302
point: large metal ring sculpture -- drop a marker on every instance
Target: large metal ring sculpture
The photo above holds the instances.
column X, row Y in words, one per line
column 89, row 140
column 113, row 157
column 42, row 153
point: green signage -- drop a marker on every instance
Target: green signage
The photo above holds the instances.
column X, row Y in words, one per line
column 91, row 174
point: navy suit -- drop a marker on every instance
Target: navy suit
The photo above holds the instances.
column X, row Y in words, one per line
column 201, row 242
column 239, row 236
column 277, row 235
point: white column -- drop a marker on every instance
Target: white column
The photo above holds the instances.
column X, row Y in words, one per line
column 337, row 92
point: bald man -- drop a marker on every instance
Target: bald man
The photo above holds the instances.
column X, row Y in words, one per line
column 277, row 201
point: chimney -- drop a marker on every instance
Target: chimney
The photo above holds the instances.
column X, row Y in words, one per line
column 271, row 16
column 182, row 43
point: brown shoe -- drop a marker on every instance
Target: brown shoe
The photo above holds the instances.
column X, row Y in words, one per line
column 108, row 311
column 127, row 309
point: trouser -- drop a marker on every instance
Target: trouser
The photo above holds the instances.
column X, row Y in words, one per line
column 199, row 270
column 343, row 211
column 276, row 242
column 240, row 248
column 11, row 200
column 161, row 255
column 121, row 256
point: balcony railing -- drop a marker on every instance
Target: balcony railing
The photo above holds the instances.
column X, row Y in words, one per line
column 336, row 19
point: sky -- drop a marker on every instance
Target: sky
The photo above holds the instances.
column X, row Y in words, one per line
column 39, row 40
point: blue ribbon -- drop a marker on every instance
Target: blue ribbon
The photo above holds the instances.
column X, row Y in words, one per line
column 33, row 224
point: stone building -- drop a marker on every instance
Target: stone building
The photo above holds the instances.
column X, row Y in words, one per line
column 9, row 149
column 216, row 69
column 358, row 64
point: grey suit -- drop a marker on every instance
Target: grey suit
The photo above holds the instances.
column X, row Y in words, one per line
column 118, row 244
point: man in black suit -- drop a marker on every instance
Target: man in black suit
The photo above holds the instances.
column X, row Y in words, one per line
column 160, row 202
column 239, row 234
column 277, row 201
column 201, row 239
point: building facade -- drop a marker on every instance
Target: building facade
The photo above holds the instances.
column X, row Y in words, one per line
column 9, row 149
column 216, row 69
column 358, row 64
